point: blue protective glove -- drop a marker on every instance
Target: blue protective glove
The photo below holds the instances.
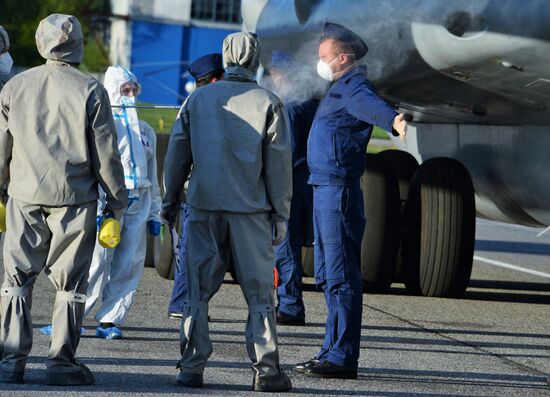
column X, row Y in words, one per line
column 153, row 227
column 99, row 220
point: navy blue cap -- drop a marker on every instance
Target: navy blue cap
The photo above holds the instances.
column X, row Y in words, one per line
column 205, row 65
column 283, row 61
column 340, row 33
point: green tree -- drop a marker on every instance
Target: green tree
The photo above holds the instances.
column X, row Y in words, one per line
column 21, row 18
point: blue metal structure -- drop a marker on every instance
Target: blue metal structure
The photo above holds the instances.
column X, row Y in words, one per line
column 161, row 53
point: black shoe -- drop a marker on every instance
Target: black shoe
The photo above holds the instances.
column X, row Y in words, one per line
column 60, row 376
column 272, row 383
column 189, row 379
column 326, row 369
column 301, row 367
column 285, row 319
column 11, row 377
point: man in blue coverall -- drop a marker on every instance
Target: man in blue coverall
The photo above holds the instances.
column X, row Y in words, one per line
column 300, row 110
column 205, row 70
column 336, row 158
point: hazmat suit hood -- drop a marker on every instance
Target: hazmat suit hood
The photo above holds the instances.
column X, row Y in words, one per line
column 241, row 54
column 115, row 77
column 59, row 38
column 4, row 39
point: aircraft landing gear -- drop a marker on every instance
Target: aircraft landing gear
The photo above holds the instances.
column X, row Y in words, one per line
column 439, row 232
column 381, row 239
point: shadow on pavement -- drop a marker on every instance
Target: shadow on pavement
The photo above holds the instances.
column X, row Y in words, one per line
column 164, row 384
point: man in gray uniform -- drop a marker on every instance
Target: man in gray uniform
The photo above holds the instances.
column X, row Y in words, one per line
column 235, row 135
column 5, row 58
column 57, row 142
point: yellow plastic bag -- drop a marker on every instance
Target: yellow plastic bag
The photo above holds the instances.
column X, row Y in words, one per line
column 2, row 217
column 109, row 233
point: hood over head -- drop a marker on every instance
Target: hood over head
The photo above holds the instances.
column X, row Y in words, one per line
column 241, row 52
column 4, row 40
column 115, row 77
column 59, row 38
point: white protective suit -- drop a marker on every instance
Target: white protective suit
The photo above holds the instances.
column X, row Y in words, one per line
column 57, row 144
column 235, row 135
column 115, row 274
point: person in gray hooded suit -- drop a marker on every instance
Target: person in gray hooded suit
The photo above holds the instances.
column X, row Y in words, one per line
column 235, row 135
column 58, row 141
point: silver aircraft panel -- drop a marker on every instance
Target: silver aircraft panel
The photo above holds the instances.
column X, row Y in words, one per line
column 473, row 74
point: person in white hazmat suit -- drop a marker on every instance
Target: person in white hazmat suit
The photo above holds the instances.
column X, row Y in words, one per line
column 6, row 62
column 115, row 274
column 57, row 143
column 235, row 135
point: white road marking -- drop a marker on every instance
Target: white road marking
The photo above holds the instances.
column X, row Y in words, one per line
column 544, row 231
column 511, row 267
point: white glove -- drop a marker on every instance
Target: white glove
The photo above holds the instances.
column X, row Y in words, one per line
column 280, row 232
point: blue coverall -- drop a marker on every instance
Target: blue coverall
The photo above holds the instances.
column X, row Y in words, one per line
column 336, row 158
column 288, row 255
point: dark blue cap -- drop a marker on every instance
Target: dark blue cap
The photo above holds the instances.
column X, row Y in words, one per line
column 205, row 65
column 283, row 61
column 340, row 33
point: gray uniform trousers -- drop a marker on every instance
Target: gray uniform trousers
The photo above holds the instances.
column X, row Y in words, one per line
column 248, row 237
column 59, row 240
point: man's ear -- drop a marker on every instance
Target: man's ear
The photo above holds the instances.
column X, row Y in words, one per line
column 343, row 59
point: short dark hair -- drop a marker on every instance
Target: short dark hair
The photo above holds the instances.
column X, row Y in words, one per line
column 217, row 74
column 342, row 46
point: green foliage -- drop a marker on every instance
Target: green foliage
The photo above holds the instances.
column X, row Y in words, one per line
column 371, row 148
column 21, row 18
column 93, row 61
column 161, row 120
column 379, row 133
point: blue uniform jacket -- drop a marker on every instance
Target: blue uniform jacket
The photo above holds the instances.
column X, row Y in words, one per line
column 342, row 128
column 300, row 116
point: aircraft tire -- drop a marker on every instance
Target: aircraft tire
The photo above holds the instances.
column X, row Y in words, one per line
column 440, row 229
column 381, row 238
column 163, row 256
column 233, row 274
column 149, row 255
column 307, row 262
column 404, row 165
column 159, row 249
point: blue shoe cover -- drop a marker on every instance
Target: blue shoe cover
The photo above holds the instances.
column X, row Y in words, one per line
column 47, row 330
column 108, row 333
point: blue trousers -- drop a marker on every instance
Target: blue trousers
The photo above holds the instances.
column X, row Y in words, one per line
column 180, row 275
column 288, row 255
column 339, row 224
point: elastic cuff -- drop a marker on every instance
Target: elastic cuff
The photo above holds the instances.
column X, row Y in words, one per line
column 70, row 296
column 278, row 218
column 15, row 291
column 261, row 308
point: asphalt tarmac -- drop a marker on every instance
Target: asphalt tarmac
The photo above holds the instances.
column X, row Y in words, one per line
column 493, row 342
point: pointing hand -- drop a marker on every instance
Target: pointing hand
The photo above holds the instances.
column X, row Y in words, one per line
column 400, row 125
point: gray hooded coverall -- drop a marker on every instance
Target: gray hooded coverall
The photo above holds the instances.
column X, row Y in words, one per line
column 235, row 135
column 57, row 142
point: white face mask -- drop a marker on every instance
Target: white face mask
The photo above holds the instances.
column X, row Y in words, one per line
column 6, row 62
column 324, row 70
column 128, row 100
